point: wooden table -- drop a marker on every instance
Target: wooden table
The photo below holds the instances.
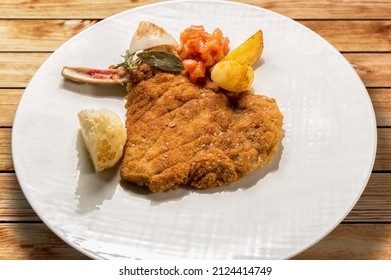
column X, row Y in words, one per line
column 30, row 30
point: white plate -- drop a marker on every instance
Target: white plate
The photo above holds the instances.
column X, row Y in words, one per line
column 326, row 158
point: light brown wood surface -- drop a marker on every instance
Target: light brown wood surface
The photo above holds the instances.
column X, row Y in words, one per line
column 360, row 30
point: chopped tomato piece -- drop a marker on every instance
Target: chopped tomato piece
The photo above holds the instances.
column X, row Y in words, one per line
column 196, row 69
column 200, row 50
column 189, row 64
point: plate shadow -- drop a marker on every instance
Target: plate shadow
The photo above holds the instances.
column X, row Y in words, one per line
column 93, row 189
column 97, row 91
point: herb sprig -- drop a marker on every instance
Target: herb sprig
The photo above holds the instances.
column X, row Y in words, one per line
column 159, row 59
column 131, row 61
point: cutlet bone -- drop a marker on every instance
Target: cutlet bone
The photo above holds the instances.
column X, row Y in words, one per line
column 147, row 36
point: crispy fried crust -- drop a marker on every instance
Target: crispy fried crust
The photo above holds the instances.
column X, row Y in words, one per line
column 181, row 134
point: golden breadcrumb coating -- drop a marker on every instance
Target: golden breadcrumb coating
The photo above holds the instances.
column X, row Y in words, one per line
column 179, row 133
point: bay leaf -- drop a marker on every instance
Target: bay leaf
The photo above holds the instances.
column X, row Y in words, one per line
column 161, row 59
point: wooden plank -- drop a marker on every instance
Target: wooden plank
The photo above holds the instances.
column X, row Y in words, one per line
column 9, row 100
column 14, row 206
column 48, row 35
column 38, row 35
column 374, row 204
column 373, row 68
column 7, row 115
column 381, row 101
column 354, row 35
column 33, row 241
column 353, row 242
column 100, row 9
column 67, row 8
column 383, row 153
column 10, row 96
column 346, row 242
column 331, row 9
column 5, row 150
column 16, row 69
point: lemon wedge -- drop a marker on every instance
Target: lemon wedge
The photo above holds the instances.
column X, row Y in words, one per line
column 104, row 135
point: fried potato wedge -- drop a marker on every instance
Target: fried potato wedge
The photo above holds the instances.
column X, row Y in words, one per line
column 232, row 75
column 249, row 51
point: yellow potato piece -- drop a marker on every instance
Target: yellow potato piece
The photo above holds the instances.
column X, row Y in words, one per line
column 249, row 51
column 232, row 75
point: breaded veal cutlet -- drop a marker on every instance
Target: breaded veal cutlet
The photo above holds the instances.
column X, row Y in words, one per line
column 180, row 133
